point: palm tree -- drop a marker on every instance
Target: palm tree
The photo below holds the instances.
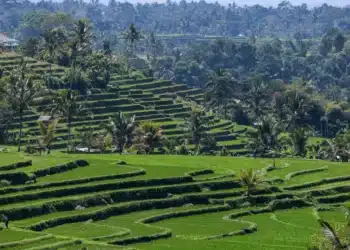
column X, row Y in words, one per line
column 196, row 126
column 82, row 33
column 76, row 79
column 19, row 91
column 266, row 137
column 121, row 129
column 66, row 105
column 220, row 91
column 256, row 98
column 132, row 35
column 299, row 138
column 249, row 179
column 47, row 134
column 148, row 136
column 6, row 117
column 298, row 104
column 52, row 42
column 332, row 236
column 81, row 40
column 87, row 138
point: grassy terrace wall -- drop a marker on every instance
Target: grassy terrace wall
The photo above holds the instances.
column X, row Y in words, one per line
column 155, row 200
column 130, row 95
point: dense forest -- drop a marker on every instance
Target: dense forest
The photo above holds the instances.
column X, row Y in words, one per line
column 290, row 68
column 179, row 17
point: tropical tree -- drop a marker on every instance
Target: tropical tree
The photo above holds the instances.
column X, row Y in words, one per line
column 19, row 91
column 196, row 126
column 53, row 40
column 297, row 105
column 66, row 104
column 83, row 34
column 337, row 148
column 6, row 117
column 335, row 238
column 256, row 99
column 299, row 138
column 266, row 137
column 148, row 136
column 80, row 40
column 47, row 134
column 249, row 179
column 76, row 79
column 220, row 91
column 132, row 35
column 87, row 138
column 121, row 128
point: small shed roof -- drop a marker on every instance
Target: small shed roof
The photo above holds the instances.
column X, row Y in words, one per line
column 45, row 118
column 5, row 40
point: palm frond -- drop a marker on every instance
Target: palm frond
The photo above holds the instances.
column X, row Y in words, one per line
column 330, row 234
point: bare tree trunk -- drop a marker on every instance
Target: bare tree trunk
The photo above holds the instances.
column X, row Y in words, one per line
column 69, row 131
column 225, row 110
column 20, row 130
column 120, row 146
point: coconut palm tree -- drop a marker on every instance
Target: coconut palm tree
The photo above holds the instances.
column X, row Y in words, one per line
column 19, row 91
column 121, row 128
column 256, row 98
column 298, row 105
column 266, row 137
column 148, row 136
column 52, row 42
column 196, row 126
column 220, row 91
column 299, row 138
column 80, row 40
column 6, row 117
column 83, row 34
column 66, row 104
column 249, row 179
column 47, row 134
column 132, row 35
column 333, row 237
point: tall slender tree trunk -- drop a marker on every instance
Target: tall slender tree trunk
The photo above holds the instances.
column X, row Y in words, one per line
column 20, row 130
column 69, row 130
column 225, row 110
column 121, row 148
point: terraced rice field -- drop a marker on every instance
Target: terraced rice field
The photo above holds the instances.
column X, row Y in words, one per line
column 147, row 99
column 88, row 201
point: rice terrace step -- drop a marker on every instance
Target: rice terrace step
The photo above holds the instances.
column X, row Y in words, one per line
column 86, row 200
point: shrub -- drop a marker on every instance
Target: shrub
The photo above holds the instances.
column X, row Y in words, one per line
column 16, row 177
column 72, row 182
column 16, row 165
column 200, row 172
column 60, row 168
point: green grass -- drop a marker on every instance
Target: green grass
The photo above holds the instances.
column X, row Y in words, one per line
column 281, row 229
column 9, row 235
column 84, row 230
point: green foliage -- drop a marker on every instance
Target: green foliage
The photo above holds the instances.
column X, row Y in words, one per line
column 121, row 128
column 249, row 179
column 299, row 138
column 196, row 126
column 47, row 133
column 266, row 136
column 148, row 136
column 19, row 90
column 66, row 105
